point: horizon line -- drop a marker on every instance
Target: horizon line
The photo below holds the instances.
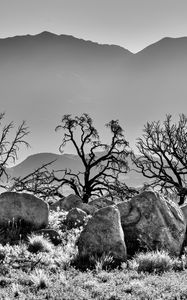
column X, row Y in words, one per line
column 88, row 40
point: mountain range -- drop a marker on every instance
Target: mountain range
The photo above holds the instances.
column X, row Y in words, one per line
column 63, row 161
column 45, row 76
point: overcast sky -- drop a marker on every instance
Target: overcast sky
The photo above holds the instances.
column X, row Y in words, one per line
column 132, row 24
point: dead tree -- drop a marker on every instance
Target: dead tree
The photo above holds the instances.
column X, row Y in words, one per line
column 102, row 163
column 10, row 144
column 163, row 155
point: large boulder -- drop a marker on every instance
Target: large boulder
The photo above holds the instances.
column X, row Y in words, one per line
column 72, row 201
column 21, row 207
column 100, row 202
column 89, row 209
column 184, row 211
column 75, row 218
column 152, row 222
column 103, row 234
column 67, row 203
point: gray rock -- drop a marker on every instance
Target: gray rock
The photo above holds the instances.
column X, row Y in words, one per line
column 72, row 201
column 103, row 234
column 75, row 218
column 152, row 222
column 184, row 211
column 16, row 207
column 89, row 209
column 67, row 203
column 100, row 202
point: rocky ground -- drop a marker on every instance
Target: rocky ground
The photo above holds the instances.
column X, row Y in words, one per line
column 37, row 269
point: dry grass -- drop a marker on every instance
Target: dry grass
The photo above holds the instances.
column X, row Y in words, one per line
column 50, row 274
column 154, row 262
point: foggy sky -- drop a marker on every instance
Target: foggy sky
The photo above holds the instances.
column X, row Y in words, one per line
column 132, row 24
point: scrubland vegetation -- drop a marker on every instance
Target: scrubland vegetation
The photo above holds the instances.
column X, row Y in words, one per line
column 36, row 269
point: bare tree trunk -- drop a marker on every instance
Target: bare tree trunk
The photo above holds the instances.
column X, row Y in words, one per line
column 87, row 194
column 182, row 199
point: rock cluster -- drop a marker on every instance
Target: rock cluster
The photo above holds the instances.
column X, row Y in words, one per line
column 145, row 222
column 151, row 222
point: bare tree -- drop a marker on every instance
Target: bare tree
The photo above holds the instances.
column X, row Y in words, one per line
column 102, row 163
column 100, row 168
column 10, row 144
column 163, row 155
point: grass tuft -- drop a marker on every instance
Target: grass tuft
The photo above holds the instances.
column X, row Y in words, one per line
column 153, row 262
column 38, row 243
column 39, row 279
column 63, row 274
column 95, row 262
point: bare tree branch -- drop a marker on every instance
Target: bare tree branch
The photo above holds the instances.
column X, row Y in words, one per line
column 10, row 144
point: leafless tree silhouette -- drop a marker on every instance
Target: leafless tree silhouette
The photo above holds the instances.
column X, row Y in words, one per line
column 102, row 164
column 10, row 144
column 163, row 155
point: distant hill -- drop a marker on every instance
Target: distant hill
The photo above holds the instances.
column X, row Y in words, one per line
column 59, row 68
column 61, row 162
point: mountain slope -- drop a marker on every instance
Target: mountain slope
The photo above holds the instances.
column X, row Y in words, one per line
column 45, row 76
column 63, row 161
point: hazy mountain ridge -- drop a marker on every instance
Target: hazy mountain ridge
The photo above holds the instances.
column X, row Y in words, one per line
column 45, row 76
column 31, row 163
column 62, row 161
column 70, row 68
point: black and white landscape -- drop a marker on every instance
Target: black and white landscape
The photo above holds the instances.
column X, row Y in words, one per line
column 93, row 149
